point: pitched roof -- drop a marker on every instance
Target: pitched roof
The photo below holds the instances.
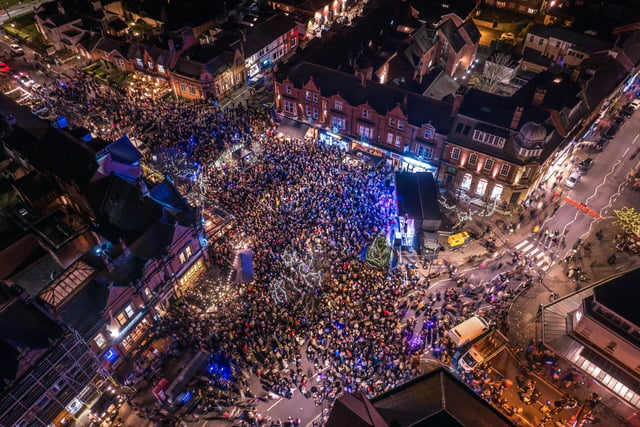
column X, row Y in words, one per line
column 419, row 109
column 265, row 33
column 121, row 209
column 579, row 41
column 609, row 75
column 620, row 295
column 561, row 92
column 497, row 110
column 84, row 310
column 451, row 33
column 436, row 398
column 472, row 30
column 123, row 151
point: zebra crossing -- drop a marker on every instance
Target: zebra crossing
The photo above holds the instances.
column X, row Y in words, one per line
column 533, row 250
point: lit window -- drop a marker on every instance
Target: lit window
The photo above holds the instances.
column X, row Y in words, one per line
column 337, row 122
column 315, row 113
column 392, row 122
column 482, row 187
column 466, row 182
column 129, row 310
column 473, row 159
column 389, row 138
column 182, row 258
column 366, row 113
column 365, row 131
column 121, row 318
column 150, row 65
column 307, row 110
column 100, row 341
column 488, row 164
column 398, row 140
column 314, row 97
column 455, row 153
column 139, row 63
column 148, row 293
column 504, row 170
column 307, row 95
column 287, row 90
column 161, row 69
column 526, row 172
column 424, row 152
column 400, row 124
column 187, row 251
column 429, row 133
column 496, row 192
column 338, row 105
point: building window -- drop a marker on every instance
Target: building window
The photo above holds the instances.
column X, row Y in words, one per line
column 531, row 39
column 390, row 138
column 466, row 182
column 504, row 170
column 365, row 131
column 526, row 172
column 293, row 42
column 466, row 130
column 188, row 252
column 459, row 128
column 188, row 87
column 139, row 63
column 315, row 113
column 612, row 346
column 482, row 187
column 429, row 133
column 488, row 164
column 129, row 311
column 121, row 318
column 148, row 293
column 366, row 113
column 338, row 105
column 398, row 140
column 501, row 4
column 307, row 111
column 307, row 95
column 337, row 123
column 400, row 124
column 473, row 159
column 424, row 152
column 487, row 138
column 161, row 69
column 287, row 89
column 496, row 192
column 100, row 341
column 531, row 11
column 288, row 107
column 392, row 122
column 150, row 65
column 314, row 98
column 455, row 153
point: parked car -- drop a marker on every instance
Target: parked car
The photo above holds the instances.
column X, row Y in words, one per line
column 24, row 79
column 4, row 68
column 585, row 165
column 635, row 104
column 507, row 36
column 16, row 50
column 572, row 180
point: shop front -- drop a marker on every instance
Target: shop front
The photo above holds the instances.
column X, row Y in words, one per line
column 332, row 139
column 188, row 278
column 406, row 162
column 135, row 333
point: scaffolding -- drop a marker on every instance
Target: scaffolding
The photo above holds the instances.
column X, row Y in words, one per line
column 69, row 370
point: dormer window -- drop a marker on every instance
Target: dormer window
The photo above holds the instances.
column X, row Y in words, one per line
column 338, row 105
column 287, row 89
column 392, row 122
column 150, row 65
column 366, row 113
column 139, row 63
column 307, row 95
column 429, row 132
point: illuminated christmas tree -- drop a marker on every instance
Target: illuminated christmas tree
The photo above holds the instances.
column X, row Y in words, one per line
column 379, row 253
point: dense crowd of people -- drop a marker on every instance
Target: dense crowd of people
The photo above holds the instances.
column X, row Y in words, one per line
column 316, row 317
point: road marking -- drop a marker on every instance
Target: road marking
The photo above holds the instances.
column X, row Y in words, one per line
column 272, row 406
column 528, row 247
column 533, row 252
column 521, row 244
column 635, row 139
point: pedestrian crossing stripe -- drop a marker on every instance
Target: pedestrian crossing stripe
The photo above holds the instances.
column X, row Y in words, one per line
column 531, row 250
column 521, row 244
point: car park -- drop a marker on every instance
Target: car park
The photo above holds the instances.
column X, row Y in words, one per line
column 572, row 180
column 16, row 50
column 585, row 165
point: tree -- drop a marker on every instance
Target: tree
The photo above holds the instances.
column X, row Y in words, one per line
column 379, row 253
column 498, row 68
column 628, row 219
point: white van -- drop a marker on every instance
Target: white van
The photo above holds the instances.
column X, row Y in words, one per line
column 470, row 359
column 468, row 330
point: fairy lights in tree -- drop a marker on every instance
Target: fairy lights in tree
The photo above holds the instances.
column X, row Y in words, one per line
column 379, row 253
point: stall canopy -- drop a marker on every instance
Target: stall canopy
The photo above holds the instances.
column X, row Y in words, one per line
column 293, row 128
column 417, row 198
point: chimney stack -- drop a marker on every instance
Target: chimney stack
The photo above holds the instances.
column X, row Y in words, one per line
column 517, row 115
column 538, row 96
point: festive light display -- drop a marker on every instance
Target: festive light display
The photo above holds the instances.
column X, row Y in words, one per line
column 628, row 219
column 379, row 253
